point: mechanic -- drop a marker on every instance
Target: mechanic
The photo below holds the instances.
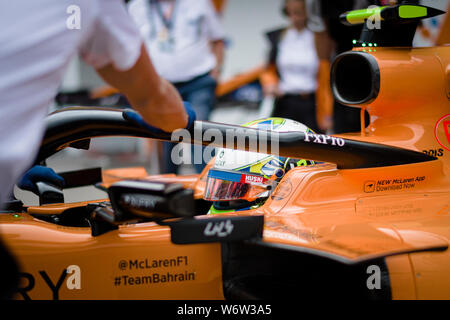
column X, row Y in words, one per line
column 292, row 78
column 36, row 49
column 186, row 42
column 242, row 180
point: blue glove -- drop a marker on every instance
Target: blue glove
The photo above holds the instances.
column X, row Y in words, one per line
column 135, row 117
column 39, row 173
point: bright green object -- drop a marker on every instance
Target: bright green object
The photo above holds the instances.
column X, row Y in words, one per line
column 409, row 12
column 213, row 210
column 360, row 16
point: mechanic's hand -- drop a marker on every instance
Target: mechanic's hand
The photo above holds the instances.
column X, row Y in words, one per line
column 37, row 174
column 135, row 117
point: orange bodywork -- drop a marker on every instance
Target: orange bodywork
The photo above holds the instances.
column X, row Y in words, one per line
column 141, row 256
column 398, row 213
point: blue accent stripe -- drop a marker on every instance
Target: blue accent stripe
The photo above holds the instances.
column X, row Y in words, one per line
column 225, row 175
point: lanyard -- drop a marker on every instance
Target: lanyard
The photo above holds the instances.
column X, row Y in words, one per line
column 168, row 20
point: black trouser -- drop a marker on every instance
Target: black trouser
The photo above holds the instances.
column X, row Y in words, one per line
column 301, row 108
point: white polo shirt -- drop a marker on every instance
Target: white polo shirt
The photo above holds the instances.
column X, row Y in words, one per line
column 297, row 62
column 194, row 24
column 36, row 44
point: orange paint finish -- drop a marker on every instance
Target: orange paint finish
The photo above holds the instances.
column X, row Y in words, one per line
column 133, row 262
column 413, row 97
column 401, row 278
column 399, row 213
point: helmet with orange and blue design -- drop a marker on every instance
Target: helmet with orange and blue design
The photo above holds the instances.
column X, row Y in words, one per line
column 240, row 180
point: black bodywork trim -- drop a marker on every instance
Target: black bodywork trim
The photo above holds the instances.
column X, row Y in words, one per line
column 251, row 271
column 338, row 258
column 221, row 229
column 75, row 124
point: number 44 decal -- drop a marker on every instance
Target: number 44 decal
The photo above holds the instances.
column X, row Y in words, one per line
column 73, row 281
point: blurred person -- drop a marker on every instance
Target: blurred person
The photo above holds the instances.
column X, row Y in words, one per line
column 37, row 41
column 36, row 49
column 186, row 42
column 294, row 63
column 331, row 37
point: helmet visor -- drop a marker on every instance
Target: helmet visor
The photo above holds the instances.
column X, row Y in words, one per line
column 224, row 185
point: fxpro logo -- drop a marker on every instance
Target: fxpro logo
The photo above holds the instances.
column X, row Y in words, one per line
column 73, row 281
column 324, row 139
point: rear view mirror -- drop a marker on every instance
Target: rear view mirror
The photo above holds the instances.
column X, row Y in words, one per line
column 150, row 200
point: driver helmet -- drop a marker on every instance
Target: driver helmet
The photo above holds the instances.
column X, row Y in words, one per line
column 242, row 180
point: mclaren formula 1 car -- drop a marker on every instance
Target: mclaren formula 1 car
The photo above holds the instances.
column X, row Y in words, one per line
column 371, row 218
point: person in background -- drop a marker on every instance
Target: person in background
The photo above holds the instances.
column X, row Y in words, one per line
column 293, row 67
column 186, row 42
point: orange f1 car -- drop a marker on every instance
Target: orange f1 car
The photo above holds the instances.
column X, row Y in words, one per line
column 371, row 220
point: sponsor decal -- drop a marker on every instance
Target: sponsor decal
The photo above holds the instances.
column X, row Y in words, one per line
column 369, row 186
column 148, row 263
column 324, row 139
column 400, row 210
column 442, row 131
column 139, row 202
column 392, row 184
column 161, row 271
column 282, row 231
column 220, row 229
column 246, row 178
column 73, row 281
column 153, row 278
column 434, row 152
